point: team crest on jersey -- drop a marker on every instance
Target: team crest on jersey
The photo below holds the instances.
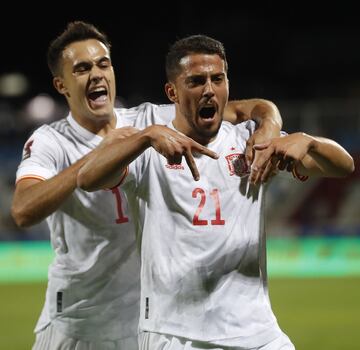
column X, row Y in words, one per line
column 27, row 150
column 237, row 164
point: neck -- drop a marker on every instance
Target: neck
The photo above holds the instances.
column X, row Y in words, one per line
column 190, row 132
column 99, row 127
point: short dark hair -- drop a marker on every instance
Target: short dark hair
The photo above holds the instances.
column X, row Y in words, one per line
column 75, row 31
column 193, row 44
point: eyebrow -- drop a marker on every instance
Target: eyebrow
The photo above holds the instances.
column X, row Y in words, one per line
column 90, row 62
column 199, row 76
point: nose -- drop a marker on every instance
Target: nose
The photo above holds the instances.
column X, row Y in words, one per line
column 96, row 74
column 208, row 89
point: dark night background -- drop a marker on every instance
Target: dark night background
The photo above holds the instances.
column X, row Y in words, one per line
column 274, row 51
column 306, row 60
column 304, row 56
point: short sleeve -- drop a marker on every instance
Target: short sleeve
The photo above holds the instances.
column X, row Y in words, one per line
column 40, row 157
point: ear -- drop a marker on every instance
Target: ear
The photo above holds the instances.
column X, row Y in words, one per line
column 171, row 92
column 59, row 85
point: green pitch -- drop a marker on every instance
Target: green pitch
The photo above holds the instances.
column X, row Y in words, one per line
column 317, row 314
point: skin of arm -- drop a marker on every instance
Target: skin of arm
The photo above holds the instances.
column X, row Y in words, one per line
column 108, row 164
column 326, row 158
column 35, row 199
column 257, row 109
column 264, row 113
column 310, row 155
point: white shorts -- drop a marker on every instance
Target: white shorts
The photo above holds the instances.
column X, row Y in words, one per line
column 156, row 341
column 50, row 338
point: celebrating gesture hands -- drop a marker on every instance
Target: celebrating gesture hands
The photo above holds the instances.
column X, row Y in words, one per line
column 281, row 153
column 174, row 145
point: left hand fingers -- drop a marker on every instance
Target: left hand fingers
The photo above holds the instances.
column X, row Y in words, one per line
column 259, row 164
column 249, row 151
column 290, row 166
column 282, row 164
column 269, row 169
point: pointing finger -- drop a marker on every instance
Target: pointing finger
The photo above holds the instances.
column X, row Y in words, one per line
column 192, row 165
column 206, row 151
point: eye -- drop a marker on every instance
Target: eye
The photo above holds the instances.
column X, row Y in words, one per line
column 82, row 68
column 217, row 79
column 196, row 81
column 105, row 63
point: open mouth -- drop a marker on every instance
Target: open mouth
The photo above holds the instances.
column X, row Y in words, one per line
column 207, row 112
column 98, row 96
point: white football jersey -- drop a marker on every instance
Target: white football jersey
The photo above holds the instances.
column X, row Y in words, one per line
column 203, row 258
column 93, row 288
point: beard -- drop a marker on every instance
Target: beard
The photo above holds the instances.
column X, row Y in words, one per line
column 203, row 135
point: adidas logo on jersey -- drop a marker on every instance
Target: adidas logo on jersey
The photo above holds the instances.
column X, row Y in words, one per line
column 175, row 166
column 237, row 164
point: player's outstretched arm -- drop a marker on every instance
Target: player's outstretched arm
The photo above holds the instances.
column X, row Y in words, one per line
column 106, row 165
column 306, row 155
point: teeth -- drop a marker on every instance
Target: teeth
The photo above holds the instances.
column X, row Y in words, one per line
column 98, row 89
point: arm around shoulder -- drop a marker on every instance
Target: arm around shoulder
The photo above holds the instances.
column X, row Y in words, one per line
column 257, row 109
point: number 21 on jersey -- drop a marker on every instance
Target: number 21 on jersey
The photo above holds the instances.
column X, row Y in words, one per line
column 121, row 218
column 216, row 200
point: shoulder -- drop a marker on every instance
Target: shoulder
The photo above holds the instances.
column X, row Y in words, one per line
column 47, row 130
column 146, row 107
column 128, row 116
column 246, row 127
column 166, row 108
column 57, row 127
column 134, row 111
column 147, row 114
column 49, row 138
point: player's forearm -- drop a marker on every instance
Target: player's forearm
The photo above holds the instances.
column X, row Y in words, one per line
column 33, row 202
column 327, row 158
column 257, row 109
column 106, row 166
column 265, row 111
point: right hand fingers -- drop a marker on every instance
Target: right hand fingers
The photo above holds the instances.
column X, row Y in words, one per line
column 192, row 165
column 197, row 148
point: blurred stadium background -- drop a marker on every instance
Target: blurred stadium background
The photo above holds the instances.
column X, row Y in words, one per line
column 306, row 61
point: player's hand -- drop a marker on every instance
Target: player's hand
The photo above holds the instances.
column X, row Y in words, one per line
column 174, row 146
column 252, row 155
column 282, row 152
